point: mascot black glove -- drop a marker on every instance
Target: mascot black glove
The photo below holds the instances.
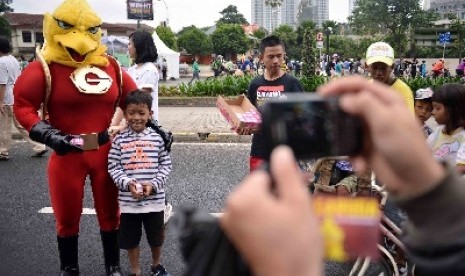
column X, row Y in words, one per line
column 60, row 142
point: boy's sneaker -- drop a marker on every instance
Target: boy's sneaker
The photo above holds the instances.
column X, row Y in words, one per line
column 4, row 157
column 158, row 270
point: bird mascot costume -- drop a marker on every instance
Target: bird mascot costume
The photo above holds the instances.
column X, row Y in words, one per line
column 78, row 86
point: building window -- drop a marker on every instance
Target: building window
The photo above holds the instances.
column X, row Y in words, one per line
column 39, row 37
column 27, row 37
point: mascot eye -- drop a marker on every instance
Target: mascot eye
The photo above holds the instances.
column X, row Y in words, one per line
column 94, row 30
column 63, row 24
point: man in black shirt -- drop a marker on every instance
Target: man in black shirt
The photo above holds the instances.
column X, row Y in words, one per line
column 272, row 84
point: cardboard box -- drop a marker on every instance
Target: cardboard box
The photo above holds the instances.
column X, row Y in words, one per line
column 240, row 113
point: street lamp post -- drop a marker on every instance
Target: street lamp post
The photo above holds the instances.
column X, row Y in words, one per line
column 167, row 13
column 327, row 32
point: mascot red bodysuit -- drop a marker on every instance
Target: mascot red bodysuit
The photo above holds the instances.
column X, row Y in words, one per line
column 80, row 87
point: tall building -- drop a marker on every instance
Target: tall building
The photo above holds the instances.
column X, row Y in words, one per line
column 426, row 4
column 352, row 4
column 270, row 18
column 445, row 7
column 315, row 10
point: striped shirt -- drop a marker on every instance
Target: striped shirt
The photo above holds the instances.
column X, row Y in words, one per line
column 139, row 157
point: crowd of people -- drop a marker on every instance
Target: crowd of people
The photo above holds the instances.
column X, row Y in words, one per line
column 112, row 128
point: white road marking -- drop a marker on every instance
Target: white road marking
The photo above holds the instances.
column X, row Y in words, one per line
column 91, row 211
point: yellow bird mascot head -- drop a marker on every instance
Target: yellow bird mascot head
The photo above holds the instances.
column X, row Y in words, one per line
column 73, row 36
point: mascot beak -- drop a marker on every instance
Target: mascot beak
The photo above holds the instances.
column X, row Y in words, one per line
column 77, row 44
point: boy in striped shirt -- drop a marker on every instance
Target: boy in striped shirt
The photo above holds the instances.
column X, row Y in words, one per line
column 140, row 165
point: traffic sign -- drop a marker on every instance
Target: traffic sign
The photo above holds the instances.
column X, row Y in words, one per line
column 319, row 44
column 444, row 37
column 319, row 37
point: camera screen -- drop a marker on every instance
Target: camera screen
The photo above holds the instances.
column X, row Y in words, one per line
column 304, row 127
column 312, row 126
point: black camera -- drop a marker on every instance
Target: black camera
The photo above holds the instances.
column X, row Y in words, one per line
column 313, row 126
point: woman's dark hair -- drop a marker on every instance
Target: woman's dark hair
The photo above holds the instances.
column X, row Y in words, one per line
column 5, row 45
column 145, row 47
column 139, row 97
column 452, row 96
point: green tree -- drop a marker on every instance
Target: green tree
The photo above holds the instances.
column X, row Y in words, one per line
column 230, row 15
column 301, row 30
column 260, row 33
column 308, row 53
column 396, row 18
column 229, row 40
column 458, row 30
column 5, row 28
column 5, row 6
column 167, row 36
column 194, row 41
column 289, row 37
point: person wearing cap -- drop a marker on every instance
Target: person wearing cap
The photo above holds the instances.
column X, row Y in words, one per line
column 380, row 64
column 424, row 108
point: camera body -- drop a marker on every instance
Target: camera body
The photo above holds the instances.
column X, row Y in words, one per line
column 311, row 125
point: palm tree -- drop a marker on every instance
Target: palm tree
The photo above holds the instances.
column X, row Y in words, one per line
column 273, row 4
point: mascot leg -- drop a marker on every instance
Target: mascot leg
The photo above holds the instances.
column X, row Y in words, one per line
column 68, row 251
column 111, row 252
column 106, row 205
column 66, row 184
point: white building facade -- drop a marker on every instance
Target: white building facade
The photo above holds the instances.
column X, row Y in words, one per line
column 271, row 18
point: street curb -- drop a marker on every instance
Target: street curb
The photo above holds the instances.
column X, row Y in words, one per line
column 211, row 137
column 195, row 137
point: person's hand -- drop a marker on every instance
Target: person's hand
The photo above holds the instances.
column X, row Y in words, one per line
column 135, row 194
column 147, row 188
column 113, row 130
column 275, row 230
column 394, row 144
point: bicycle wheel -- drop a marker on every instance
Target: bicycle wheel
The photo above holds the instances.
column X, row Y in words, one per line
column 386, row 264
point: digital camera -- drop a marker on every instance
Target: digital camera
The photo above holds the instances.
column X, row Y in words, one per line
column 313, row 126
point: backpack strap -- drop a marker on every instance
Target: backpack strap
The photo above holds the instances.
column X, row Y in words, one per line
column 48, row 82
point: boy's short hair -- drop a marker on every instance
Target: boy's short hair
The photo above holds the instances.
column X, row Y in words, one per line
column 270, row 41
column 139, row 97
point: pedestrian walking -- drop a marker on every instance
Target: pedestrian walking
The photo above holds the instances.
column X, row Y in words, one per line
column 195, row 70
column 164, row 69
column 139, row 164
column 9, row 72
column 272, row 84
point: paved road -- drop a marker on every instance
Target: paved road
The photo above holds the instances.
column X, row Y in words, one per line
column 203, row 174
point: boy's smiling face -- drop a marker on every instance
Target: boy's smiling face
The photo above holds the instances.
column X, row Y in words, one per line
column 137, row 116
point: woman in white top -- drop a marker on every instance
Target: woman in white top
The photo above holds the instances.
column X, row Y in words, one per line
column 143, row 52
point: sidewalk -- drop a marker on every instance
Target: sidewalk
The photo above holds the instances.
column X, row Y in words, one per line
column 193, row 124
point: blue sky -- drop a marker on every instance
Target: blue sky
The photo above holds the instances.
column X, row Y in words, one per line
column 181, row 13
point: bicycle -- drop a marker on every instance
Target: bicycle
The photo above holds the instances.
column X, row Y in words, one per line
column 392, row 251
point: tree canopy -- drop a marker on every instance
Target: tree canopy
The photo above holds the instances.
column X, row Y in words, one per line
column 229, row 40
column 194, row 41
column 230, row 15
column 5, row 6
column 167, row 36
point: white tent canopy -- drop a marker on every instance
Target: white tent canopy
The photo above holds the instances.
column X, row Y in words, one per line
column 172, row 57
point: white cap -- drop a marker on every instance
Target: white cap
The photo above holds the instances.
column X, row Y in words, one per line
column 380, row 52
column 423, row 93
